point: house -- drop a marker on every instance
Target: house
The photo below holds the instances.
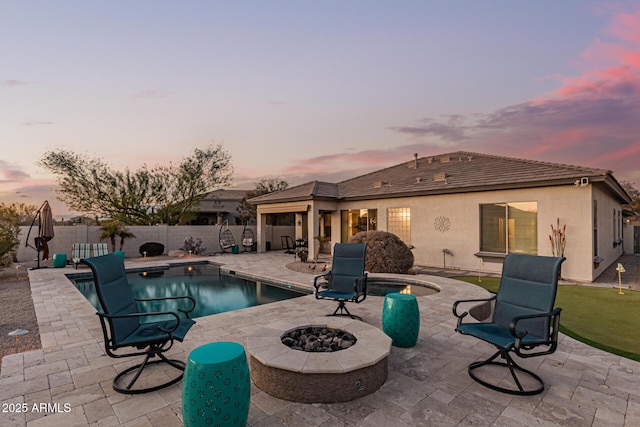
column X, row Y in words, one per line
column 219, row 206
column 468, row 210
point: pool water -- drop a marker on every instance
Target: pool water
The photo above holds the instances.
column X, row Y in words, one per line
column 213, row 291
column 381, row 288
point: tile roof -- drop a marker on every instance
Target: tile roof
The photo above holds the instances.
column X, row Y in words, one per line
column 225, row 194
column 459, row 171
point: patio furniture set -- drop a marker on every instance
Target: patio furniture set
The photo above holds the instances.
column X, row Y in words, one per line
column 217, row 379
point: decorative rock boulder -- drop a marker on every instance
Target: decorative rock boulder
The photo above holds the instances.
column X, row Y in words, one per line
column 152, row 249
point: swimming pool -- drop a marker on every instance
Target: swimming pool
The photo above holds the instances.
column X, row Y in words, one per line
column 216, row 292
column 213, row 291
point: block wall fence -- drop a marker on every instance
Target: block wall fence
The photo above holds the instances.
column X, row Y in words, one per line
column 172, row 237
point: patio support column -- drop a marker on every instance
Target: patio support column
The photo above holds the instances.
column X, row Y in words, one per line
column 312, row 230
column 262, row 231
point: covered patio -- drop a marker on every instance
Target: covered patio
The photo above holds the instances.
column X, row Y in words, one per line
column 427, row 385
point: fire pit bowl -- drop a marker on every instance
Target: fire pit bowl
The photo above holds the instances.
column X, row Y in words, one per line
column 318, row 377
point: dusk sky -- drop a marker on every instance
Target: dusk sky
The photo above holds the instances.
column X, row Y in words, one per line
column 316, row 90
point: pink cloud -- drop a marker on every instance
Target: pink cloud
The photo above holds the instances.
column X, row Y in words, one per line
column 621, row 154
column 591, row 119
column 611, row 65
column 626, row 26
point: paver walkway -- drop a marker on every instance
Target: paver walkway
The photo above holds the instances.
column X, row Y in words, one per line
column 428, row 384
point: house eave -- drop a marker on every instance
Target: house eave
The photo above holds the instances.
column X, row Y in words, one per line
column 458, row 190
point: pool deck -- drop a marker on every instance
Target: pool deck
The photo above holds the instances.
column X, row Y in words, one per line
column 427, row 385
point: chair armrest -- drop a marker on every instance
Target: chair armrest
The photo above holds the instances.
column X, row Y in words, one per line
column 324, row 276
column 186, row 312
column 455, row 306
column 360, row 288
column 157, row 313
column 552, row 342
column 514, row 322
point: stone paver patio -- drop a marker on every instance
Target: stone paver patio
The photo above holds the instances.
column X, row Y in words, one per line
column 427, row 385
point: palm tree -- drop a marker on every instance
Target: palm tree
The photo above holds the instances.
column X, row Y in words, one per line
column 111, row 229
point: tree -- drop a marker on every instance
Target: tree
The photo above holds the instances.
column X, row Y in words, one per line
column 9, row 233
column 113, row 229
column 246, row 210
column 25, row 212
column 166, row 194
column 183, row 184
column 635, row 197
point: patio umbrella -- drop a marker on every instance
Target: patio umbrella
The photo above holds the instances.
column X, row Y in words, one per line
column 45, row 231
column 46, row 228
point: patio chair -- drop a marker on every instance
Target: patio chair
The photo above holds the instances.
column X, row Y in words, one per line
column 122, row 326
column 100, row 249
column 247, row 239
column 288, row 244
column 523, row 318
column 225, row 237
column 79, row 252
column 347, row 280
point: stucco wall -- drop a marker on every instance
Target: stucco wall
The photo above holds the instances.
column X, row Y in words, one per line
column 571, row 204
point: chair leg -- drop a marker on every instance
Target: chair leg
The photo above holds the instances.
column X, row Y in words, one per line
column 342, row 310
column 513, row 367
column 153, row 351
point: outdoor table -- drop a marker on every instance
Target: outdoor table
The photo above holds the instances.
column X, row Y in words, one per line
column 401, row 319
column 216, row 388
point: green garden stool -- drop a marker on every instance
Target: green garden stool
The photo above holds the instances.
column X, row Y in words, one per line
column 59, row 260
column 216, row 388
column 401, row 319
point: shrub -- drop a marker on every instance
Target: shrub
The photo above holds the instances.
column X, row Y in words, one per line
column 9, row 232
column 386, row 253
column 193, row 246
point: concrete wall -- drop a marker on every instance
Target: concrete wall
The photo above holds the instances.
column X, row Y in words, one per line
column 172, row 237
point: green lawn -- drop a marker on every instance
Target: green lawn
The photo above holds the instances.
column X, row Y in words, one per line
column 600, row 317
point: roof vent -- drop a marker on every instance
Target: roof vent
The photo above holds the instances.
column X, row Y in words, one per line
column 470, row 158
column 440, row 177
column 418, row 179
column 379, row 184
column 445, row 159
column 414, row 163
column 429, row 160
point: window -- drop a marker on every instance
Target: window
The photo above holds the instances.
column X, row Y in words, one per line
column 399, row 223
column 509, row 227
column 356, row 220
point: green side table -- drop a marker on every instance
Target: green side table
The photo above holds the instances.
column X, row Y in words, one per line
column 216, row 388
column 59, row 260
column 401, row 319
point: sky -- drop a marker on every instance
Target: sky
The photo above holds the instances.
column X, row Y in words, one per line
column 315, row 90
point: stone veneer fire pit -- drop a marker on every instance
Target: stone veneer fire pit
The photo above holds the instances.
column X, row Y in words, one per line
column 320, row 377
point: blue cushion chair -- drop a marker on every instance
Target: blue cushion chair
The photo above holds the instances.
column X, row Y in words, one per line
column 523, row 319
column 347, row 280
column 122, row 326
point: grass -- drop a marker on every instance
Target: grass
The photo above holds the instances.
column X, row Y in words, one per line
column 599, row 317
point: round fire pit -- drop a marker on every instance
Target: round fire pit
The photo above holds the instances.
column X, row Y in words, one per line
column 318, row 339
column 328, row 376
